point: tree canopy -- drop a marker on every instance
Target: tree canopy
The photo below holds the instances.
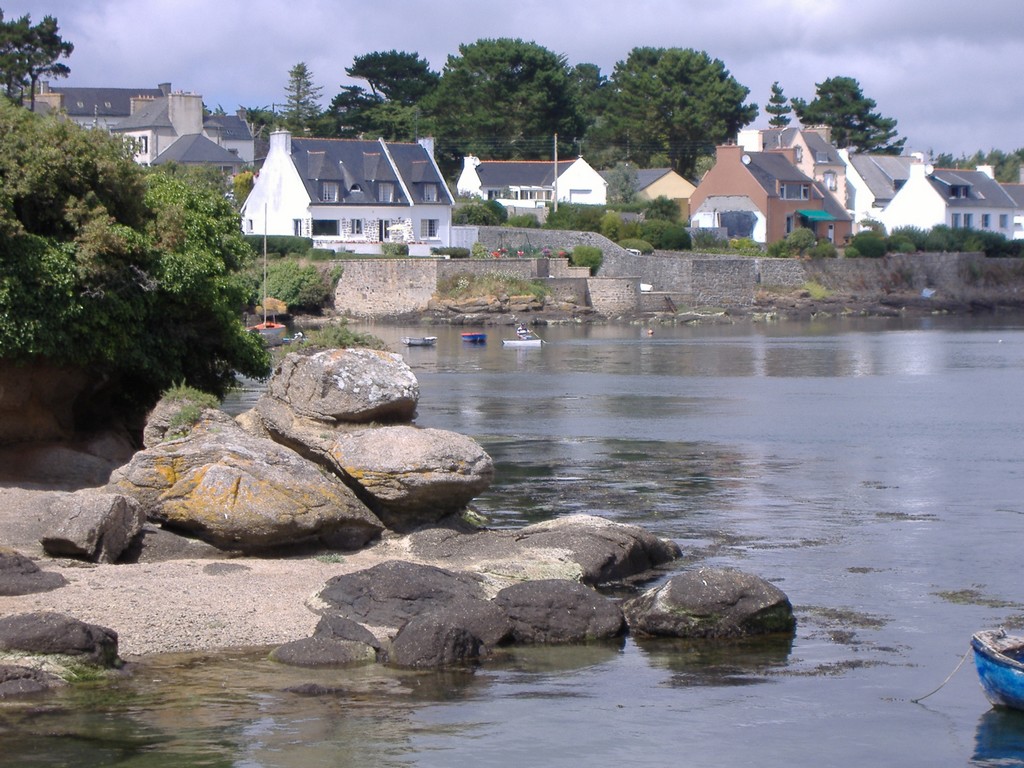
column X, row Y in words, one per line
column 134, row 276
column 674, row 103
column 301, row 100
column 28, row 53
column 840, row 105
column 503, row 99
column 778, row 107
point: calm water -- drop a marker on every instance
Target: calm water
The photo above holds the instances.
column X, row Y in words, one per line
column 873, row 470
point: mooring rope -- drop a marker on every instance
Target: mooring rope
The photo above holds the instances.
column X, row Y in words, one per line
column 962, row 660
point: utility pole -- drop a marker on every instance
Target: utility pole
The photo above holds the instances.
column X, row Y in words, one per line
column 556, row 173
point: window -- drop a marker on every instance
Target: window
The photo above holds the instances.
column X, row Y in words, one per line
column 956, row 221
column 430, row 193
column 986, row 221
column 297, row 227
column 248, row 225
column 356, row 226
column 1004, row 220
column 386, row 192
column 789, row 224
column 958, row 192
column 325, row 227
column 830, row 181
column 329, row 192
column 793, row 191
column 968, row 220
column 428, row 229
column 385, row 230
column 143, row 144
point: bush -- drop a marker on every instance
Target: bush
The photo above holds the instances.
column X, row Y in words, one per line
column 340, row 336
column 394, row 250
column 299, row 287
column 190, row 404
column 523, row 221
column 869, row 244
column 582, row 218
column 468, row 285
column 636, row 244
column 662, row 208
column 611, row 226
column 676, row 238
column 917, row 236
column 451, row 252
column 479, row 251
column 587, row 256
column 653, row 230
column 321, row 254
column 824, row 250
column 482, row 214
column 778, row 250
column 280, row 245
column 706, row 239
column 897, row 244
column 800, row 240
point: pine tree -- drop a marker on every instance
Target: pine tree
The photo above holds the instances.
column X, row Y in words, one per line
column 778, row 107
column 301, row 105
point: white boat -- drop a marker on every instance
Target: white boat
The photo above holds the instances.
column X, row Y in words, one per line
column 419, row 341
column 524, row 338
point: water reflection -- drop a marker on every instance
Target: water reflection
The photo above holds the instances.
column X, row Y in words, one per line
column 999, row 739
column 717, row 662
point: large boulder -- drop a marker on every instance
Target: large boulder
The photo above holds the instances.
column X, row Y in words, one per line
column 16, row 680
column 559, row 611
column 347, row 385
column 583, row 548
column 93, row 525
column 20, row 576
column 711, row 603
column 413, row 476
column 241, row 492
column 431, row 641
column 50, row 633
column 388, row 595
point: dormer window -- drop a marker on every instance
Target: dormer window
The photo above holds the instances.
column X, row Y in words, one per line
column 355, row 188
column 386, row 192
column 430, row 193
column 959, row 192
column 329, row 191
column 791, row 191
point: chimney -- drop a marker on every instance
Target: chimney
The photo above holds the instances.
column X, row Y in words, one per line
column 427, row 142
column 280, row 141
column 988, row 170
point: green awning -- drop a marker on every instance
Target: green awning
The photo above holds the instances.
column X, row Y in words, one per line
column 816, row 215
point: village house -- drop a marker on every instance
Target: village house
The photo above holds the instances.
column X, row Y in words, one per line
column 931, row 197
column 349, row 194
column 532, row 183
column 872, row 181
column 652, row 183
column 764, row 196
column 813, row 153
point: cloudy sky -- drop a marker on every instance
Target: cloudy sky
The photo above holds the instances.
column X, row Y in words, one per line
column 948, row 72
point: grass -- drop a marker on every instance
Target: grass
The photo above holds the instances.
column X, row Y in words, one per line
column 465, row 285
column 340, row 336
column 191, row 403
column 816, row 290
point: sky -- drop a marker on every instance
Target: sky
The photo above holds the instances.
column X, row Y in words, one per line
column 948, row 72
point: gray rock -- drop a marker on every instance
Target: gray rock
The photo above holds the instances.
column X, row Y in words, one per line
column 347, row 385
column 431, row 641
column 389, row 594
column 324, row 651
column 413, row 476
column 21, row 576
column 241, row 492
column 559, row 611
column 22, row 681
column 339, row 627
column 713, row 603
column 93, row 525
column 582, row 548
column 55, row 633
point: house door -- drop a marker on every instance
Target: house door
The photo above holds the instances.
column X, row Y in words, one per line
column 831, row 233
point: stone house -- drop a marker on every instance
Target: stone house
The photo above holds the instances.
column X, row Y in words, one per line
column 349, row 194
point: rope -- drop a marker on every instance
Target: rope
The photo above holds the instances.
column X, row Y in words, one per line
column 962, row 660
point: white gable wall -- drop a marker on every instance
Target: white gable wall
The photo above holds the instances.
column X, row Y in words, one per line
column 916, row 204
column 582, row 184
column 278, row 197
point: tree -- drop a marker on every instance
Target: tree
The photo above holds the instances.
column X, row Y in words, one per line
column 29, row 53
column 135, row 277
column 503, row 99
column 674, row 102
column 778, row 107
column 621, row 183
column 395, row 76
column 840, row 105
column 301, row 104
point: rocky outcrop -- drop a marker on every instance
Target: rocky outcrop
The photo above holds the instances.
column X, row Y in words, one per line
column 56, row 634
column 93, row 526
column 711, row 603
column 559, row 611
column 21, row 681
column 20, row 576
column 241, row 492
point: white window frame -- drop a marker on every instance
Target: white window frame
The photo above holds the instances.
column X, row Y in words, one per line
column 329, row 191
column 429, row 229
column 430, row 193
column 386, row 192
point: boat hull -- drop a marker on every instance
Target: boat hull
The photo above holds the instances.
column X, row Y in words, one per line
column 420, row 341
column 273, row 334
column 522, row 342
column 474, row 338
column 1000, row 671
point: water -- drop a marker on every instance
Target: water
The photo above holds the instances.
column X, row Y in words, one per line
column 872, row 469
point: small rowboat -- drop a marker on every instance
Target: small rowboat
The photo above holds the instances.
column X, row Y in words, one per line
column 419, row 341
column 273, row 334
column 474, row 338
column 524, row 338
column 999, row 659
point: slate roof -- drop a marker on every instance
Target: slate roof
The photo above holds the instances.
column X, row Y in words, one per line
column 770, row 167
column 822, row 152
column 196, row 148
column 153, row 114
column 103, row 102
column 884, row 174
column 230, row 127
column 360, row 166
column 1016, row 193
column 983, row 190
column 519, row 173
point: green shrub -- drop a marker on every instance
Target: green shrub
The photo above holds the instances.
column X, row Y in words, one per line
column 941, row 238
column 189, row 406
column 653, row 230
column 321, row 254
column 587, row 256
column 497, row 283
column 800, row 240
column 917, row 236
column 824, row 250
column 394, row 250
column 676, row 238
column 778, row 250
column 280, row 245
column 662, row 208
column 479, row 251
column 851, row 252
column 869, row 244
column 452, row 252
column 746, row 245
column 611, row 226
column 636, row 244
column 706, row 240
column 523, row 221
column 300, row 287
column 340, row 336
column 897, row 244
column 482, row 214
column 582, row 218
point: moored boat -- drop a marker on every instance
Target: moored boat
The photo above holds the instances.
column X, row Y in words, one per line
column 999, row 659
column 474, row 337
column 272, row 333
column 524, row 338
column 419, row 341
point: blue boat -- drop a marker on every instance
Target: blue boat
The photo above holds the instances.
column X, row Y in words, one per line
column 474, row 338
column 1000, row 661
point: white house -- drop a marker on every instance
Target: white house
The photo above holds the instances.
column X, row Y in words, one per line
column 970, row 199
column 873, row 180
column 350, row 194
column 532, row 183
column 1016, row 193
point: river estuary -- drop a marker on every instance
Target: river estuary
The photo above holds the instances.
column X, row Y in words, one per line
column 873, row 469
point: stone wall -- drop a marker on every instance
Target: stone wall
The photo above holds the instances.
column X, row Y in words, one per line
column 377, row 287
column 614, row 296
